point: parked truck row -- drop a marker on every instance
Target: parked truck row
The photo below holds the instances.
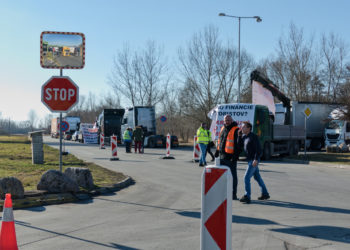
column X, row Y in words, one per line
column 283, row 132
column 115, row 122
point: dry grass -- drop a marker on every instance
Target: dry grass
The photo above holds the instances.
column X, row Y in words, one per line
column 16, row 160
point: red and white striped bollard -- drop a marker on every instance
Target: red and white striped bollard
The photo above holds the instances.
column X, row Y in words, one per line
column 114, row 148
column 216, row 212
column 102, row 141
column 168, row 146
column 196, row 150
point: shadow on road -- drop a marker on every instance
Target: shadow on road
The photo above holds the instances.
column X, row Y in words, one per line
column 122, row 247
column 235, row 218
column 57, row 234
column 340, row 234
column 36, row 209
column 137, row 204
column 304, row 206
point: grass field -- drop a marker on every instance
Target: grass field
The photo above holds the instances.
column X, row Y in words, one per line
column 16, row 161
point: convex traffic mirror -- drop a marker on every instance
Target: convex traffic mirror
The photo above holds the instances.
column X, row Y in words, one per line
column 62, row 50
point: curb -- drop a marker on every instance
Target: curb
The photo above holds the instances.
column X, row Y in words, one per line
column 44, row 198
column 323, row 164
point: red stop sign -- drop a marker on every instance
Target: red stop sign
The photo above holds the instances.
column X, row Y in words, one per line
column 59, row 94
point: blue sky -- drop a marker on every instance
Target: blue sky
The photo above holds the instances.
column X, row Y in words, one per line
column 108, row 24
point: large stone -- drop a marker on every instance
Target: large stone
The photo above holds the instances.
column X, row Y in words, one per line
column 82, row 176
column 54, row 181
column 13, row 186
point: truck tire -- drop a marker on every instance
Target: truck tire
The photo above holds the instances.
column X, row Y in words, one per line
column 316, row 144
column 266, row 152
column 152, row 143
column 296, row 147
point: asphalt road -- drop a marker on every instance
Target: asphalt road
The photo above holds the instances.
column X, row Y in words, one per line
column 309, row 207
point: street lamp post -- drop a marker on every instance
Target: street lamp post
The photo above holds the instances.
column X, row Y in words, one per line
column 258, row 19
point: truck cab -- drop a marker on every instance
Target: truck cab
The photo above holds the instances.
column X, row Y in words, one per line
column 109, row 123
column 142, row 116
column 337, row 132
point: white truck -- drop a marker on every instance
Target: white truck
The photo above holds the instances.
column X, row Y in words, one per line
column 337, row 131
column 144, row 116
column 315, row 124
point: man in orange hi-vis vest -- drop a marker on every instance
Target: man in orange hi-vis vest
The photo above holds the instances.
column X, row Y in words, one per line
column 229, row 150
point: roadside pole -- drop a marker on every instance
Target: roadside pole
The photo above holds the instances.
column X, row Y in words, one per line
column 60, row 141
column 307, row 112
column 305, row 139
column 60, row 94
column 61, row 74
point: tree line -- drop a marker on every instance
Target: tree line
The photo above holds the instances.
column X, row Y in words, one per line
column 205, row 73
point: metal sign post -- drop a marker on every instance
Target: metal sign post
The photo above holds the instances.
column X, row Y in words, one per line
column 307, row 112
column 60, row 94
column 61, row 74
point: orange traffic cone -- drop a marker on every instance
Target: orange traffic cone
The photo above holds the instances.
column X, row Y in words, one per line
column 8, row 233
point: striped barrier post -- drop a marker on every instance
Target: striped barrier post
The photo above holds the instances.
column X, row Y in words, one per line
column 168, row 146
column 114, row 147
column 196, row 150
column 102, row 141
column 216, row 212
column 8, row 239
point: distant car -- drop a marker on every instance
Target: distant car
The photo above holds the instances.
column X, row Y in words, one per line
column 67, row 136
column 174, row 141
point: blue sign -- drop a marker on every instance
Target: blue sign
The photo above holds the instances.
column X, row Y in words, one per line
column 64, row 126
column 163, row 118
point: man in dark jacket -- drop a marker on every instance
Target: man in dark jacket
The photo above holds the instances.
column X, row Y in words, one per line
column 229, row 150
column 251, row 145
column 137, row 136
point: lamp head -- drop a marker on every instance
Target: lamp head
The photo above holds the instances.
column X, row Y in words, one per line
column 222, row 14
column 258, row 19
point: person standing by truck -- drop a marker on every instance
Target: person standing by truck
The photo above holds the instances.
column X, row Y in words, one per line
column 127, row 140
column 229, row 150
column 251, row 145
column 210, row 144
column 203, row 140
column 137, row 136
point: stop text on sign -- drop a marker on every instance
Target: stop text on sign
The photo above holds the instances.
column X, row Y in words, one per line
column 59, row 94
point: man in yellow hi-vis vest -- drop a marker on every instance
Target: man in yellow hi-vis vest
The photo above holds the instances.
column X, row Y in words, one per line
column 203, row 140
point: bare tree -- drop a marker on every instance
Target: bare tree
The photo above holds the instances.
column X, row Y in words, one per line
column 32, row 119
column 293, row 68
column 198, row 67
column 109, row 101
column 142, row 78
column 122, row 78
column 334, row 52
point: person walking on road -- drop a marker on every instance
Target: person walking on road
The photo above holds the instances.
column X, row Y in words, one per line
column 210, row 144
column 229, row 150
column 203, row 140
column 137, row 136
column 251, row 145
column 127, row 139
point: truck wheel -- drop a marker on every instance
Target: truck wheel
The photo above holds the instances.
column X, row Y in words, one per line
column 316, row 144
column 151, row 143
column 296, row 148
column 266, row 152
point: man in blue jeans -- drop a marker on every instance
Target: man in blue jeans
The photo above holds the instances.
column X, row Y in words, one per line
column 203, row 140
column 250, row 142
